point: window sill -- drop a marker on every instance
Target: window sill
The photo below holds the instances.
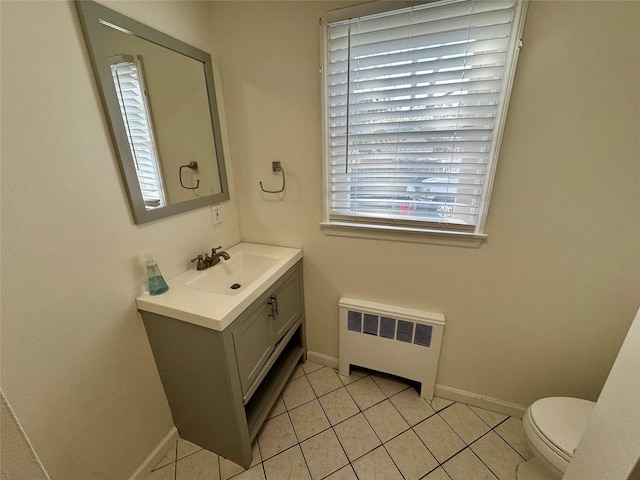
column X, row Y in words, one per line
column 403, row 234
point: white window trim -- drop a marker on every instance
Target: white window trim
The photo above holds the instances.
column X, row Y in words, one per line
column 406, row 234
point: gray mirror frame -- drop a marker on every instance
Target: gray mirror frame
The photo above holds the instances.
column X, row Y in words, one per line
column 91, row 16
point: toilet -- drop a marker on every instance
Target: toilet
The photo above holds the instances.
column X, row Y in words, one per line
column 553, row 427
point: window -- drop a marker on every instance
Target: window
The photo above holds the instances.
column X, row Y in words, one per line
column 415, row 103
column 128, row 79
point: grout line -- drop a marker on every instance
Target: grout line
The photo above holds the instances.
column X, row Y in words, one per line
column 295, row 434
column 478, row 456
column 332, row 426
column 507, row 441
column 382, row 443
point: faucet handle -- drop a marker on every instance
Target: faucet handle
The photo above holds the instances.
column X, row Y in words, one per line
column 213, row 250
column 201, row 263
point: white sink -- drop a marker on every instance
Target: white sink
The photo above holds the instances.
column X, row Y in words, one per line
column 206, row 298
column 232, row 276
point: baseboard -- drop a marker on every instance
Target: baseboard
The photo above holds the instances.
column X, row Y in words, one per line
column 143, row 471
column 488, row 403
column 450, row 393
column 322, row 359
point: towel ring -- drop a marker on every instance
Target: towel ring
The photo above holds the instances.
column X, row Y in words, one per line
column 193, row 166
column 276, row 167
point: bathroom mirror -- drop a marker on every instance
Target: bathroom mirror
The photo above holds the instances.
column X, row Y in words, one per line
column 159, row 96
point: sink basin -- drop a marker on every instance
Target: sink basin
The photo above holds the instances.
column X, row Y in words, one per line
column 232, row 276
column 206, row 297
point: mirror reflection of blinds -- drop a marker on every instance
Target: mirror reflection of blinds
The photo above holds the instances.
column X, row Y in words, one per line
column 128, row 79
column 415, row 99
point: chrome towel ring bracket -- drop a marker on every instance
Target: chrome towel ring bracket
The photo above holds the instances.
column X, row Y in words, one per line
column 276, row 167
column 193, row 166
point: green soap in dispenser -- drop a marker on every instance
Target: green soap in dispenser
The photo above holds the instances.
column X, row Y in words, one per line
column 157, row 285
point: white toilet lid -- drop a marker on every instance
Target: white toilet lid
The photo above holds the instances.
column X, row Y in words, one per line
column 562, row 420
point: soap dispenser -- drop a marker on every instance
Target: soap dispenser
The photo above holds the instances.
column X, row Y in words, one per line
column 157, row 285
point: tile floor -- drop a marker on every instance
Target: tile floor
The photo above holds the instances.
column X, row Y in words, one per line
column 367, row 426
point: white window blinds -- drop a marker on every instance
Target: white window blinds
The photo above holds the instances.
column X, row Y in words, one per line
column 129, row 82
column 415, row 103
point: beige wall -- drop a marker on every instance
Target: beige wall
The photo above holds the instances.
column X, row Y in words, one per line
column 76, row 365
column 541, row 308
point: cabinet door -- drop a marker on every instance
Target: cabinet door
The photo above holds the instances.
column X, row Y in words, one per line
column 289, row 305
column 253, row 343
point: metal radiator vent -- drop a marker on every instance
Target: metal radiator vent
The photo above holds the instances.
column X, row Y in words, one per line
column 391, row 339
column 391, row 328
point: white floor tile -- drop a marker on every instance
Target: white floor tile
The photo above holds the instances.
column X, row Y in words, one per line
column 345, row 473
column 229, row 469
column 355, row 374
column 277, row 409
column 356, row 436
column 512, row 432
column 389, row 384
column 202, row 465
column 324, row 381
column 439, row 403
column 466, row 466
column 376, row 465
column 165, row 473
column 411, row 456
column 490, row 418
column 186, row 448
column 297, row 372
column 288, row 465
column 310, row 367
column 275, row 436
column 338, row 405
column 366, row 393
column 439, row 438
column 169, row 457
column 308, row 419
column 254, row 473
column 323, row 454
column 411, row 406
column 372, row 417
column 296, row 392
column 498, row 456
column 464, row 422
column 437, row 474
column 385, row 420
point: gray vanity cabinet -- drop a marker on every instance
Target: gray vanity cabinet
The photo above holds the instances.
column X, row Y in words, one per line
column 287, row 306
column 221, row 385
column 263, row 325
column 253, row 345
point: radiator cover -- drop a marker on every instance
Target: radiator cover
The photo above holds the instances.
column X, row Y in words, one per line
column 393, row 340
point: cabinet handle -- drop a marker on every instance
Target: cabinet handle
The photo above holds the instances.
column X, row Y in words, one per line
column 274, row 306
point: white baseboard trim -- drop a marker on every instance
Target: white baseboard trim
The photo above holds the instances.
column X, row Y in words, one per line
column 143, row 471
column 488, row 403
column 450, row 393
column 322, row 359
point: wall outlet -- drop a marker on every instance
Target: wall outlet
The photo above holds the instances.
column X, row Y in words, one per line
column 217, row 214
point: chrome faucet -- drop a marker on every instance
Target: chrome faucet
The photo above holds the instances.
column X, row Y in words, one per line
column 209, row 261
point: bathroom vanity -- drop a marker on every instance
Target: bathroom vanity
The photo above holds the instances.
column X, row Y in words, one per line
column 224, row 354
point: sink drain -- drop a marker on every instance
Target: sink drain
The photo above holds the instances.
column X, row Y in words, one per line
column 235, row 286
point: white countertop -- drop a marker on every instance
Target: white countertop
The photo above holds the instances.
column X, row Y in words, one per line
column 217, row 310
